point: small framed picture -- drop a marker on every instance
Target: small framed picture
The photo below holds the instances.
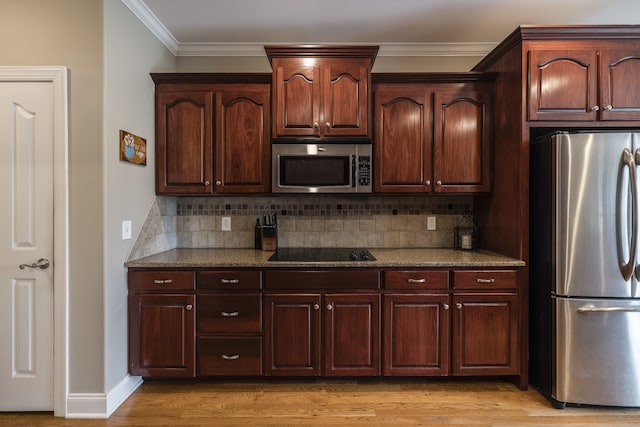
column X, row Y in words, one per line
column 133, row 149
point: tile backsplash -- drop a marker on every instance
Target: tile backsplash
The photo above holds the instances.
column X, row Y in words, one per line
column 303, row 221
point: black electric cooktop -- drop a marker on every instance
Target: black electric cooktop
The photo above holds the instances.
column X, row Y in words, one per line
column 322, row 254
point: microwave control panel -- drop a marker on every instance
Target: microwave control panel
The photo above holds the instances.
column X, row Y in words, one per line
column 364, row 171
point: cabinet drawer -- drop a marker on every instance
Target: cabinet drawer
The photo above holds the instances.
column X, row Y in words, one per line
column 418, row 279
column 229, row 313
column 161, row 279
column 230, row 356
column 230, row 280
column 484, row 279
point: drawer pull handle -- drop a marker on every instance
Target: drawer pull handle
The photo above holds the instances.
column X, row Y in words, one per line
column 230, row 314
column 227, row 357
column 230, row 281
column 162, row 282
column 416, row 280
column 491, row 280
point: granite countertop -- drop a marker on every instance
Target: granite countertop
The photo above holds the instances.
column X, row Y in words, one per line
column 409, row 258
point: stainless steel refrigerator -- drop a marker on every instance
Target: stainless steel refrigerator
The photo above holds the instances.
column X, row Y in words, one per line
column 584, row 268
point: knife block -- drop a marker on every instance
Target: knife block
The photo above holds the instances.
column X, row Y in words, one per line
column 269, row 237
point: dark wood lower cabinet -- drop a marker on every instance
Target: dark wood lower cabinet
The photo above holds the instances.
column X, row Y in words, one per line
column 292, row 345
column 294, row 334
column 416, row 334
column 161, row 337
column 424, row 322
column 485, row 334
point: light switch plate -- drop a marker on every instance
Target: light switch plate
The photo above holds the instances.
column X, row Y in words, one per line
column 431, row 223
column 126, row 230
column 226, row 223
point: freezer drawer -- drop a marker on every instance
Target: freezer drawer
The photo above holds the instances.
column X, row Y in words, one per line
column 597, row 358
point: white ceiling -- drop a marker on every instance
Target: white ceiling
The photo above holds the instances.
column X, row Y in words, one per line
column 400, row 27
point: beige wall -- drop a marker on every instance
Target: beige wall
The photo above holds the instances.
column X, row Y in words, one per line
column 130, row 52
column 69, row 32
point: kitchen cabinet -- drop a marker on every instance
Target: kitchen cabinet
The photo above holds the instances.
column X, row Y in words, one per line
column 584, row 81
column 229, row 323
column 320, row 332
column 416, row 321
column 432, row 138
column 212, row 138
column 162, row 323
column 485, row 327
column 321, row 91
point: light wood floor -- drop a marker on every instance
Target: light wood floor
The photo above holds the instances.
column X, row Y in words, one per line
column 339, row 402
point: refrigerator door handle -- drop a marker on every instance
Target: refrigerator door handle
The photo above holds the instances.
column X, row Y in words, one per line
column 594, row 309
column 627, row 268
column 636, row 161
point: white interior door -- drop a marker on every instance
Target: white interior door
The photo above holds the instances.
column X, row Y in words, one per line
column 26, row 236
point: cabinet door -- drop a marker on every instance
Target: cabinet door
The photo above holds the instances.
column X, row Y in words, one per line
column 352, row 334
column 292, row 337
column 416, row 334
column 619, row 85
column 345, row 97
column 461, row 142
column 485, row 334
column 562, row 85
column 297, row 97
column 184, row 150
column 402, row 138
column 243, row 139
column 162, row 335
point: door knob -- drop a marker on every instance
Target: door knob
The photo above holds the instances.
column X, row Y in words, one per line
column 42, row 264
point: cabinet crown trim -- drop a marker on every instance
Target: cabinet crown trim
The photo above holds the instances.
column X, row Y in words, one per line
column 320, row 51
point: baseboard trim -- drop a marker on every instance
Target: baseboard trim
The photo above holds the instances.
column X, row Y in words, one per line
column 101, row 405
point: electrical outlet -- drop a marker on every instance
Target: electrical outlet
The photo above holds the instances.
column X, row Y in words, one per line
column 126, row 230
column 226, row 223
column 431, row 223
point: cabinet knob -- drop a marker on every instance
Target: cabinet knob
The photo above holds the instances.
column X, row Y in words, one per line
column 445, row 306
column 438, row 182
column 189, row 307
column 316, row 306
column 207, row 183
column 458, row 305
column 595, row 108
column 609, row 107
column 329, row 307
column 427, row 182
column 328, row 125
column 218, row 182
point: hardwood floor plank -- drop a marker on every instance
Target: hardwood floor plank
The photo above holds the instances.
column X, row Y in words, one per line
column 338, row 402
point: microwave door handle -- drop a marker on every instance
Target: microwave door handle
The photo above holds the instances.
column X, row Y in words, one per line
column 353, row 171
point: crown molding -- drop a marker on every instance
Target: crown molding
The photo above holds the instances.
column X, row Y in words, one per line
column 148, row 18
column 151, row 21
column 386, row 49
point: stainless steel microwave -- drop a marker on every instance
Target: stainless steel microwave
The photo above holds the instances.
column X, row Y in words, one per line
column 320, row 167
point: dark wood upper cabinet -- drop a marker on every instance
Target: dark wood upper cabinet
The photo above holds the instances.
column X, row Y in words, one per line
column 462, row 140
column 212, row 134
column 432, row 137
column 584, row 81
column 321, row 91
column 243, row 155
column 403, row 138
column 184, row 150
